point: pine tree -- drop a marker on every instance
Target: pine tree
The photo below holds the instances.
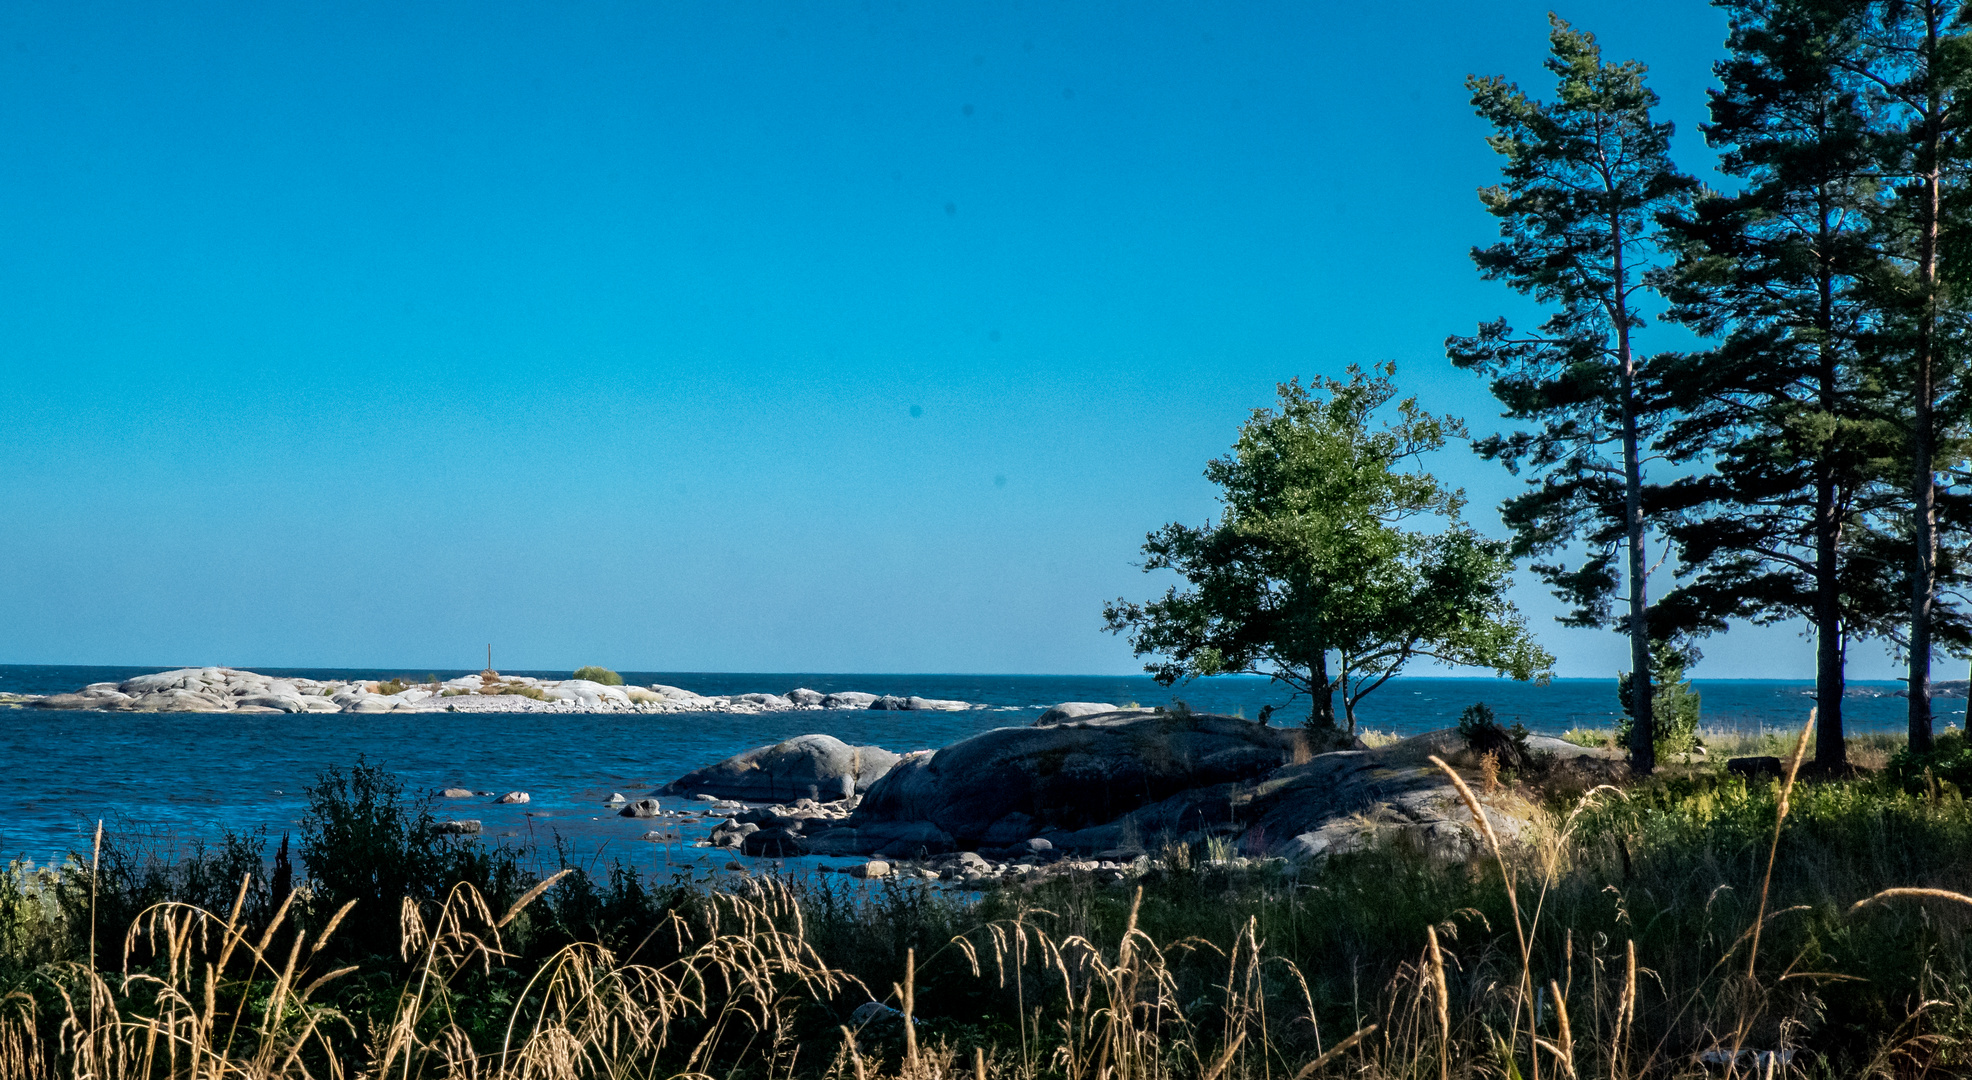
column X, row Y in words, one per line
column 1784, row 407
column 1913, row 58
column 1585, row 178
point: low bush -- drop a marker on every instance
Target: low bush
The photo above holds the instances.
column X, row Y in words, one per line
column 601, row 675
column 1949, row 761
column 1483, row 735
column 1594, row 738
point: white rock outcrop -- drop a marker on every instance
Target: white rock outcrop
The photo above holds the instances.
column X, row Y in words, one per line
column 221, row 689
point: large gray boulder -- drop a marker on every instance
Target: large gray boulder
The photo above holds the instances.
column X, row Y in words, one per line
column 848, row 699
column 181, row 701
column 279, row 702
column 91, row 697
column 820, row 767
column 178, row 679
column 1003, row 786
column 913, row 703
column 674, row 693
column 1073, row 710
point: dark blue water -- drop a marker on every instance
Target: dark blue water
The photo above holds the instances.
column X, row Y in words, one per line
column 183, row 775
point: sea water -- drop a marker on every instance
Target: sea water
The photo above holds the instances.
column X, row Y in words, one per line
column 174, row 778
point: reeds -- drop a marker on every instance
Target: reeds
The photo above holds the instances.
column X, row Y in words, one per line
column 1549, row 961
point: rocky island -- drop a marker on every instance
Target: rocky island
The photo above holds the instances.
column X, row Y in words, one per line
column 222, row 689
column 1090, row 787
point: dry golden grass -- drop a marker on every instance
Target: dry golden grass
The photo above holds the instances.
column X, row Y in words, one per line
column 217, row 1002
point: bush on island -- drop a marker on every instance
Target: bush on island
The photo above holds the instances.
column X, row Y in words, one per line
column 599, row 675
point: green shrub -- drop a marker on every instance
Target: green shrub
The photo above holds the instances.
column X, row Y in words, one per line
column 522, row 689
column 1949, row 760
column 1484, row 735
column 599, row 675
column 394, row 686
column 1674, row 705
column 362, row 840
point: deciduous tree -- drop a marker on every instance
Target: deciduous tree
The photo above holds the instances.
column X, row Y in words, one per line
column 1336, row 559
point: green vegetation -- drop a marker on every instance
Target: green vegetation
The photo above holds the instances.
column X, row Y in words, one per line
column 1317, row 552
column 1483, row 734
column 1674, row 705
column 598, row 675
column 521, row 689
column 454, row 950
column 1594, row 738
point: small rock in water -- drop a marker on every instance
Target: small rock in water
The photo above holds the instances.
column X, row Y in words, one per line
column 706, row 798
column 513, row 797
column 459, row 828
column 642, row 808
column 872, row 869
column 615, row 797
column 1037, row 845
column 456, row 793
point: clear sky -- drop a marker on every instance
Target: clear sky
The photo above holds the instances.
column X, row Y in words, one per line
column 711, row 336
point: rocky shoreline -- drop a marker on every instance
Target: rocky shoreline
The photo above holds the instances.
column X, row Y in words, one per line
column 219, row 689
column 1092, row 789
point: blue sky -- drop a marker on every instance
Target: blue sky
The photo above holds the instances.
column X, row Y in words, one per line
column 703, row 336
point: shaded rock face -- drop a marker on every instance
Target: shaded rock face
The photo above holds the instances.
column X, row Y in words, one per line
column 820, row 767
column 1003, row 786
column 1351, row 800
column 1017, row 789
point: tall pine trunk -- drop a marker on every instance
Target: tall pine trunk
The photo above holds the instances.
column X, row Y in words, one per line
column 1831, row 750
column 1923, row 494
column 1643, row 729
column 1831, row 653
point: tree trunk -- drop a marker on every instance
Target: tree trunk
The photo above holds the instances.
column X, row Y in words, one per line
column 1322, row 693
column 1924, row 542
column 1831, row 747
column 1923, row 495
column 1643, row 729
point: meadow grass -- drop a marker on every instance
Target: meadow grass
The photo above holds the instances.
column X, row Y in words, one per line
column 1819, row 924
